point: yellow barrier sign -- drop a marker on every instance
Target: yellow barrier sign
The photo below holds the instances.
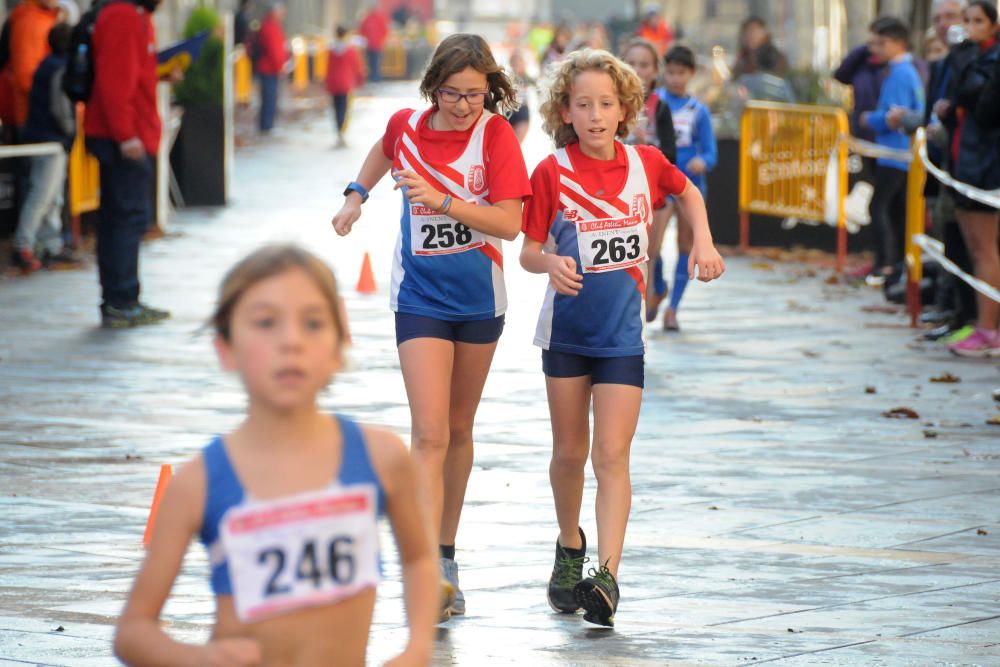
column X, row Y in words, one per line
column 788, row 155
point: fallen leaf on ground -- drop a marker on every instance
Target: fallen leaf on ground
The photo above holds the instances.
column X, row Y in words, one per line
column 888, row 310
column 994, row 420
column 712, row 507
column 947, row 378
column 832, row 280
column 982, row 531
column 901, row 413
column 930, row 434
column 870, row 390
column 762, row 266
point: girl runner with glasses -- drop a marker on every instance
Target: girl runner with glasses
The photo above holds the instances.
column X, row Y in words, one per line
column 463, row 178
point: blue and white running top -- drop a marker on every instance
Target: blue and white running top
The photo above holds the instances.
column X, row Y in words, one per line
column 224, row 494
column 608, row 237
column 442, row 268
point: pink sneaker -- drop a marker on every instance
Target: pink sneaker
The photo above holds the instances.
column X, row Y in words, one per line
column 981, row 343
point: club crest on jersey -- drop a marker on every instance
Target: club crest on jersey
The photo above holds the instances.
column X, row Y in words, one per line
column 476, row 181
column 640, row 207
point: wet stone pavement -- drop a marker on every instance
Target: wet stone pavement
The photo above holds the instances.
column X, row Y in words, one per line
column 777, row 515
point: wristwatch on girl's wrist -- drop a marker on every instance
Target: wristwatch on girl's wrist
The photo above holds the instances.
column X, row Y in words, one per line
column 354, row 186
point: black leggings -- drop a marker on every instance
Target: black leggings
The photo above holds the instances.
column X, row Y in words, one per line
column 888, row 213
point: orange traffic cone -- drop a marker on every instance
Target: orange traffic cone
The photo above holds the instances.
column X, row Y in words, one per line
column 366, row 281
column 166, row 473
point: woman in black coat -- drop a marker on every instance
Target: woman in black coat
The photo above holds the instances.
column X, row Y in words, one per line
column 975, row 160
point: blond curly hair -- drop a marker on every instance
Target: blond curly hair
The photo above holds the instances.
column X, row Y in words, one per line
column 560, row 86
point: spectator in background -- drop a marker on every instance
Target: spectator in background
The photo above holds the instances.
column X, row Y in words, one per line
column 955, row 300
column 935, row 49
column 123, row 132
column 974, row 159
column 561, row 38
column 754, row 36
column 29, row 25
column 654, row 29
column 767, row 83
column 344, row 73
column 271, row 62
column 520, row 118
column 697, row 154
column 375, row 28
column 864, row 73
column 902, row 88
column 50, row 118
column 241, row 23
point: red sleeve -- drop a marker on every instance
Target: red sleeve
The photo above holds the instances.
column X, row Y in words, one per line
column 542, row 204
column 117, row 65
column 506, row 174
column 664, row 177
column 393, row 130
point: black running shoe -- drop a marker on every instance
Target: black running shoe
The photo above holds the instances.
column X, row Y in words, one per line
column 566, row 574
column 598, row 595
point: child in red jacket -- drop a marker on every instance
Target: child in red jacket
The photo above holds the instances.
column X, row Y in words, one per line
column 344, row 73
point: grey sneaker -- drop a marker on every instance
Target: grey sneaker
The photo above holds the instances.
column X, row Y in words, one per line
column 131, row 316
column 449, row 570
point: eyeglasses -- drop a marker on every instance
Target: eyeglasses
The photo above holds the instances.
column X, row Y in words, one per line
column 453, row 97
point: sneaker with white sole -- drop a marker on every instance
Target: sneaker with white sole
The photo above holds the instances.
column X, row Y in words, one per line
column 982, row 344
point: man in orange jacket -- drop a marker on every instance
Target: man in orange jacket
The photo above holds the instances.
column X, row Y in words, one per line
column 30, row 23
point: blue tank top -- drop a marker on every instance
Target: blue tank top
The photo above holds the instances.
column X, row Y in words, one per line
column 224, row 490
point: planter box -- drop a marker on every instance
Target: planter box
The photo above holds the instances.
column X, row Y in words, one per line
column 198, row 157
column 724, row 214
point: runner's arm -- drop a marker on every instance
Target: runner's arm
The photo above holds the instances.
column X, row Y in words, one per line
column 562, row 270
column 501, row 219
column 421, row 576
column 139, row 639
column 374, row 168
column 703, row 252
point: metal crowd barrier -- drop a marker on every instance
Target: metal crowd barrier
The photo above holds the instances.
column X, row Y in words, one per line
column 786, row 151
column 917, row 242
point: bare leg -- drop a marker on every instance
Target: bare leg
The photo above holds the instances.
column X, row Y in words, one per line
column 616, row 413
column 979, row 229
column 427, row 369
column 472, row 365
column 569, row 408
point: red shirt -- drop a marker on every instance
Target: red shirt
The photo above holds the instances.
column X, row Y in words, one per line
column 506, row 174
column 123, row 101
column 344, row 71
column 375, row 28
column 598, row 177
column 273, row 55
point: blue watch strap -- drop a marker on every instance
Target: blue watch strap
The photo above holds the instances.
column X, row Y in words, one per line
column 354, row 186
